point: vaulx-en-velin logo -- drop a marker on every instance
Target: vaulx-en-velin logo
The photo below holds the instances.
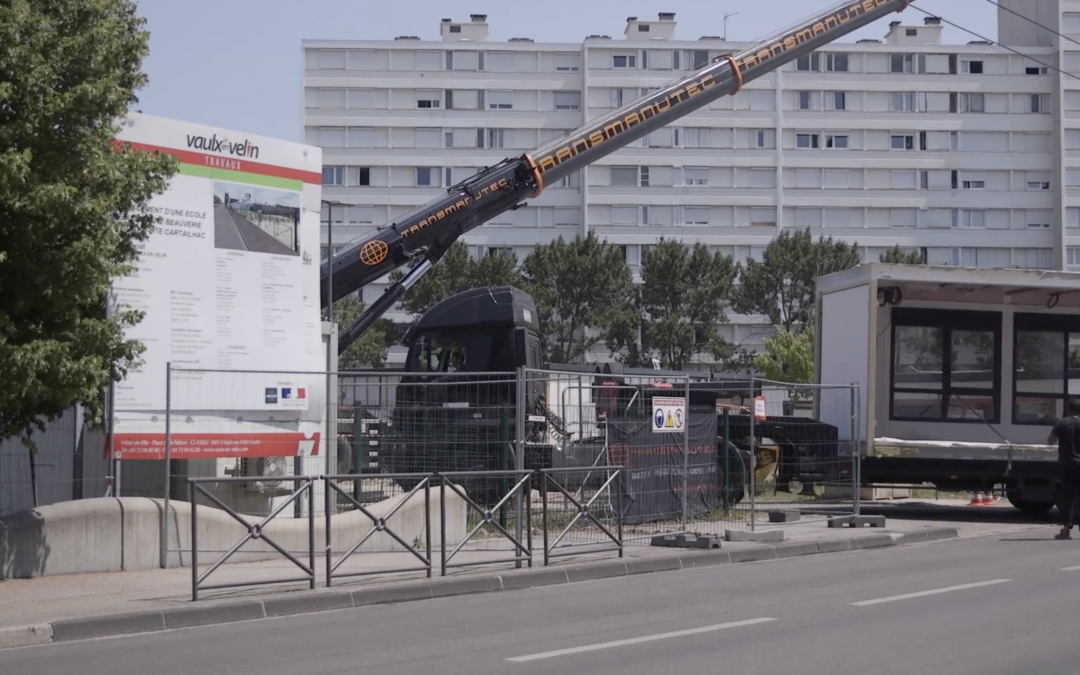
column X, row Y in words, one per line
column 223, row 146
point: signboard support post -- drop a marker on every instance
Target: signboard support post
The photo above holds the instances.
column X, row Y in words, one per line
column 753, row 456
column 686, row 456
column 168, row 467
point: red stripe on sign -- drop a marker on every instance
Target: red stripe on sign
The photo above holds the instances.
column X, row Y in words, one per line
column 229, row 163
column 210, row 446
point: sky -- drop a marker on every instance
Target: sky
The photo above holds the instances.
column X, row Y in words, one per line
column 236, row 64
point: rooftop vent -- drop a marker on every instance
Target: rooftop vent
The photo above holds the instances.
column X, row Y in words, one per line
column 631, row 18
column 710, row 37
column 447, row 20
column 868, row 41
column 521, row 39
column 598, row 37
column 932, row 21
column 407, row 37
column 980, row 42
column 478, row 18
column 894, row 24
column 667, row 16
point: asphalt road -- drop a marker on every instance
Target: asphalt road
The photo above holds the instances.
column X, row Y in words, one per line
column 997, row 605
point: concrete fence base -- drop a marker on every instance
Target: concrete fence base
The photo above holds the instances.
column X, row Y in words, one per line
column 115, row 534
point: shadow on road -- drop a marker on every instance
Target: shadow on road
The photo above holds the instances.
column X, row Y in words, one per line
column 955, row 513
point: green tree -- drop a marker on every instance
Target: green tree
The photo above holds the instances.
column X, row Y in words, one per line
column 788, row 357
column 72, row 206
column 370, row 350
column 782, row 287
column 583, row 289
column 682, row 299
column 900, row 256
column 457, row 272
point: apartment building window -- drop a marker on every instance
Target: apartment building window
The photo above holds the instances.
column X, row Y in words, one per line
column 331, row 137
column 568, row 100
column 969, row 220
column 1072, row 257
column 500, row 100
column 1036, row 70
column 1038, row 180
column 428, row 138
column 428, row 176
column 808, row 141
column 763, row 139
column 908, row 101
column 806, row 100
column 907, row 63
column 836, row 62
column 361, row 137
column 762, row 178
column 491, row 138
column 761, row 216
column 808, row 63
column 621, row 96
column 333, row 175
column 696, row 176
column 902, row 141
column 967, row 103
column 624, row 176
column 346, row 176
column 944, row 373
column 361, row 99
column 1031, row 258
column 330, row 98
column 428, row 60
column 696, row 215
column 973, row 181
column 429, row 99
column 699, row 58
column 567, row 63
column 836, row 100
column 971, row 67
column 624, row 61
column 837, row 142
column 1040, row 103
column 331, row 59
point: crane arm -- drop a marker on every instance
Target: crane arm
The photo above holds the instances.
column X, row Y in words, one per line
column 423, row 236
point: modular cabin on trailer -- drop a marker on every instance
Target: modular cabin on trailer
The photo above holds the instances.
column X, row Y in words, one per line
column 962, row 372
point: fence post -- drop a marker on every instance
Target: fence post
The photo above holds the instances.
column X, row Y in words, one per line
column 753, row 456
column 856, row 450
column 164, row 545
column 519, row 447
column 194, row 543
column 686, row 456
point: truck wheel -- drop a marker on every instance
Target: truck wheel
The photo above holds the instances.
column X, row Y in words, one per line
column 1030, row 508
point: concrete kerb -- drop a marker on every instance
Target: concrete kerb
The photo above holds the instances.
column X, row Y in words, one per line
column 325, row 600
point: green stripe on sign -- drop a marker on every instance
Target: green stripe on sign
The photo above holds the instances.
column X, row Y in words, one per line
column 241, row 177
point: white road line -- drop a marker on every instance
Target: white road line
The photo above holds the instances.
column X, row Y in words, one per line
column 935, row 591
column 637, row 640
column 1070, row 569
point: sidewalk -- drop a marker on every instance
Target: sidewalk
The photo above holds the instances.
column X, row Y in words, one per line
column 157, row 599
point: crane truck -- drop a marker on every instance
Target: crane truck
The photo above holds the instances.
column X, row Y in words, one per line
column 420, row 238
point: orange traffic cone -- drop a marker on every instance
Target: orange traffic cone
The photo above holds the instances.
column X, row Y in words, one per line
column 988, row 500
column 977, row 500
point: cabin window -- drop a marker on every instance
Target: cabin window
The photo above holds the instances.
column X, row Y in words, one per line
column 946, row 366
column 1046, row 366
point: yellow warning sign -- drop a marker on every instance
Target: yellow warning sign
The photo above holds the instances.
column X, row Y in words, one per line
column 669, row 423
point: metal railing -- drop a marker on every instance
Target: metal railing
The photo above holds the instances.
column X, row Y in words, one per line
column 521, row 492
column 379, row 524
column 255, row 532
column 582, row 509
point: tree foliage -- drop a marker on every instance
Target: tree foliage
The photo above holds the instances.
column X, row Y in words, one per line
column 900, row 256
column 578, row 285
column 457, row 272
column 370, row 350
column 782, row 286
column 682, row 300
column 71, row 205
column 787, row 357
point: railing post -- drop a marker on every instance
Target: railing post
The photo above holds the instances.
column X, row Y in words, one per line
column 427, row 522
column 856, row 450
column 194, row 540
column 311, row 528
column 442, row 521
column 328, row 499
column 686, row 457
column 168, row 473
column 519, row 447
column 544, row 512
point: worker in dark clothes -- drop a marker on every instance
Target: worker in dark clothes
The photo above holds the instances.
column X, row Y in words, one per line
column 1066, row 433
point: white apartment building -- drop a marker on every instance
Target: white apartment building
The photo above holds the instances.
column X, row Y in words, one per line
column 970, row 151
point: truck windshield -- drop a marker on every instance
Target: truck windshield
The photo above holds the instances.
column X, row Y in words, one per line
column 472, row 351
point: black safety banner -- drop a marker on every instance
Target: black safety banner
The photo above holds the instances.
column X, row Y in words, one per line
column 650, row 487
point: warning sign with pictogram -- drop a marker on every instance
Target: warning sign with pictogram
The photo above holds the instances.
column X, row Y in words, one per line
column 669, row 415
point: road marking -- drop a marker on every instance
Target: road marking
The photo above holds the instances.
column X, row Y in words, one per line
column 1070, row 569
column 637, row 640
column 936, row 591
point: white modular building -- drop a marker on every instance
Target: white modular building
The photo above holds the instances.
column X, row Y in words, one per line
column 969, row 151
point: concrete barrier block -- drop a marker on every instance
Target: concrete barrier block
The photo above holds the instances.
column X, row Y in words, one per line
column 760, row 535
column 64, row 538
column 784, row 516
column 107, row 626
column 875, row 541
column 25, row 636
column 942, row 533
column 209, row 614
column 836, row 545
column 325, row 601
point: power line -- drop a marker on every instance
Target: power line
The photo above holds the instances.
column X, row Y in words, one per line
column 1030, row 20
column 995, row 42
